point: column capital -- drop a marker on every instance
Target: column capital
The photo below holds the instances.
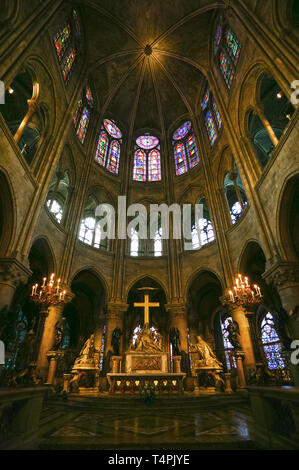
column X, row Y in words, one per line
column 176, row 309
column 282, row 274
column 13, row 272
column 116, row 309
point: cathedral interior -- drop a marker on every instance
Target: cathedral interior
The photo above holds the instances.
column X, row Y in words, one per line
column 112, row 339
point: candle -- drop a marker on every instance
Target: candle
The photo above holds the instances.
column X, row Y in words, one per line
column 44, row 282
column 246, row 281
column 32, row 290
column 52, row 276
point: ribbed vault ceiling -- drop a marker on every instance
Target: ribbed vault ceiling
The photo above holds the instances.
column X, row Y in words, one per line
column 141, row 86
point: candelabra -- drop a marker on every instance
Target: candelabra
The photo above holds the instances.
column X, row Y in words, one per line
column 49, row 293
column 242, row 293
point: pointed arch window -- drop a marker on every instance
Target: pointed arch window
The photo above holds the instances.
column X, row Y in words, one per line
column 271, row 343
column 147, row 159
column 90, row 228
column 83, row 112
column 211, row 115
column 227, row 49
column 235, row 194
column 158, row 246
column 58, row 195
column 202, row 231
column 184, row 144
column 67, row 44
column 134, row 249
column 109, row 147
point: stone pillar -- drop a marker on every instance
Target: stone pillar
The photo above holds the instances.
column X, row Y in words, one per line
column 240, row 369
column 177, row 364
column 227, row 384
column 239, row 315
column 115, row 364
column 53, row 357
column 32, row 107
column 178, row 319
column 115, row 319
column 12, row 273
column 259, row 111
column 47, row 337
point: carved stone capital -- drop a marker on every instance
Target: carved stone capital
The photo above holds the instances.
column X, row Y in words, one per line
column 116, row 310
column 13, row 272
column 282, row 274
column 177, row 310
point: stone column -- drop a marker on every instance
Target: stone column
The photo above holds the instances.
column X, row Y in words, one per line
column 115, row 364
column 32, row 107
column 258, row 110
column 177, row 364
column 178, row 319
column 12, row 273
column 240, row 369
column 53, row 357
column 115, row 319
column 47, row 338
column 239, row 315
column 227, row 384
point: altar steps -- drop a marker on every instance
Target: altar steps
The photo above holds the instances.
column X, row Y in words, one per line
column 219, row 422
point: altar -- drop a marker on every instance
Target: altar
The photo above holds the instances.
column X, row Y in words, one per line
column 160, row 382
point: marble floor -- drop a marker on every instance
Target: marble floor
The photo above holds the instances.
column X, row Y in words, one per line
column 174, row 423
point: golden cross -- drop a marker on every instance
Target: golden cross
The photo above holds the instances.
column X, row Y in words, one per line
column 146, row 304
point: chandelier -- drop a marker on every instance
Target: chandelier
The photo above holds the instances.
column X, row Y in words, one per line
column 242, row 293
column 49, row 293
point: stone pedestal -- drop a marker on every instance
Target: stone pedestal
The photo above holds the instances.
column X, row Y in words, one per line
column 53, row 356
column 240, row 370
column 205, row 380
column 115, row 364
column 66, row 382
column 227, row 384
column 177, row 364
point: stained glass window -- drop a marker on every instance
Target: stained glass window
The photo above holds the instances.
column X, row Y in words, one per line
column 77, row 115
column 147, row 142
column 147, row 159
column 112, row 129
column 113, row 160
column 82, row 115
column 216, row 113
column 154, row 166
column 67, row 45
column 233, row 45
column 184, row 144
column 139, row 166
column 101, row 153
column 68, row 63
column 180, row 159
column 82, row 129
column 211, row 128
column 182, row 131
column 134, row 251
column 228, row 49
column 62, row 40
column 192, row 151
column 226, row 69
column 89, row 96
column 271, row 343
column 87, row 229
column 55, row 209
column 108, row 151
column 218, row 37
column 205, row 100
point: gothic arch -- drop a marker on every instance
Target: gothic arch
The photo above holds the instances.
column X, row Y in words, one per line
column 42, row 244
column 94, row 271
column 196, row 274
column 153, row 278
column 287, row 219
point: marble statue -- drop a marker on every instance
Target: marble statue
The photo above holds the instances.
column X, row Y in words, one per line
column 147, row 341
column 86, row 357
column 207, row 357
column 233, row 334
